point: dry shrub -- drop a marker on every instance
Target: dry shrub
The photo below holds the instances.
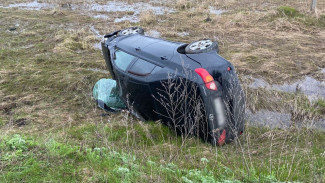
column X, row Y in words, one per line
column 148, row 17
column 74, row 40
column 283, row 24
column 183, row 4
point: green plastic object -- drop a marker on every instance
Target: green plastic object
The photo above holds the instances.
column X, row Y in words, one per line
column 107, row 95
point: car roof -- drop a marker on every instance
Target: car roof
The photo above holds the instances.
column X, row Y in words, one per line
column 154, row 50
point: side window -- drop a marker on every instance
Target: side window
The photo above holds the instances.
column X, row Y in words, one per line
column 141, row 68
column 122, row 59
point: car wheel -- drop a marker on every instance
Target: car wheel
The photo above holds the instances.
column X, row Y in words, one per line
column 130, row 31
column 201, row 46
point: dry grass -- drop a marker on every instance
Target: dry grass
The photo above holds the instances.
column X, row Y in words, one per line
column 44, row 80
column 75, row 40
column 148, row 18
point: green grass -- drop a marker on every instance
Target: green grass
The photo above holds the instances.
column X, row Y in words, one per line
column 289, row 11
column 133, row 160
column 45, row 79
column 293, row 14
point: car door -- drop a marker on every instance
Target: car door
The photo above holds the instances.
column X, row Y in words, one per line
column 138, row 87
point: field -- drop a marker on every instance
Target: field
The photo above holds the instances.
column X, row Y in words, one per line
column 52, row 131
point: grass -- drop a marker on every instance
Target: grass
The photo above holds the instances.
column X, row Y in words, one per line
column 52, row 130
column 295, row 15
column 137, row 157
column 147, row 18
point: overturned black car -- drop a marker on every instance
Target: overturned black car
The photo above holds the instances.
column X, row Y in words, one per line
column 189, row 87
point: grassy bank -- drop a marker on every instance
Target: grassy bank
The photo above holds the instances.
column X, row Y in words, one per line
column 150, row 152
column 52, row 131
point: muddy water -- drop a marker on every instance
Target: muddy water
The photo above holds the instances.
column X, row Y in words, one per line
column 268, row 118
column 130, row 18
column 274, row 119
column 114, row 6
column 98, row 70
column 309, row 86
column 322, row 70
column 35, row 5
column 99, row 11
column 216, row 11
column 100, row 16
column 96, row 32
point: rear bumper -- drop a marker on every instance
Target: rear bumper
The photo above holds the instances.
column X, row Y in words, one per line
column 214, row 108
column 224, row 111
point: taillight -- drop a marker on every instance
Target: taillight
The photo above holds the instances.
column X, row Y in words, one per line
column 207, row 78
column 222, row 138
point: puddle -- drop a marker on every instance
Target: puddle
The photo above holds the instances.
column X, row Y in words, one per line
column 98, row 70
column 35, row 5
column 183, row 34
column 309, row 86
column 216, row 11
column 112, row 6
column 101, row 16
column 153, row 33
column 96, row 32
column 258, row 83
column 28, row 46
column 130, row 18
column 97, row 45
column 320, row 124
column 322, row 70
column 136, row 8
column 269, row 118
column 273, row 119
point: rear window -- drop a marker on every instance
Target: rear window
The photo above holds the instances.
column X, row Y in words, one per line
column 122, row 60
column 141, row 68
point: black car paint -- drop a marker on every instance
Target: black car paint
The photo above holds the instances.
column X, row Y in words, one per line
column 140, row 91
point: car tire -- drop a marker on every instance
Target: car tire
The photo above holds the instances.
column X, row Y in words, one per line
column 201, row 46
column 130, row 31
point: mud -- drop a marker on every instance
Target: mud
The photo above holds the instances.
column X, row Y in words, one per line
column 20, row 122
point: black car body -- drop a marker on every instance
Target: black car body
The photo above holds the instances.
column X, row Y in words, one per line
column 161, row 81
